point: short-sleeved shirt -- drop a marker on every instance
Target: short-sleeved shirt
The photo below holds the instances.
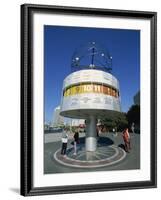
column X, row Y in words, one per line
column 126, row 136
column 64, row 140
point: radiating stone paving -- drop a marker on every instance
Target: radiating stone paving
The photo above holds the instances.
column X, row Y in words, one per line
column 103, row 156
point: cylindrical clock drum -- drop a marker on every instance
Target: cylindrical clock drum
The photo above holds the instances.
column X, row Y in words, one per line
column 91, row 92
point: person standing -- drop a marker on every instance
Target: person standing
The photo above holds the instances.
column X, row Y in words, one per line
column 114, row 132
column 64, row 142
column 98, row 131
column 133, row 128
column 126, row 138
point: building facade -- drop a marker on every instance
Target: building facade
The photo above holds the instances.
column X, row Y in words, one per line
column 57, row 118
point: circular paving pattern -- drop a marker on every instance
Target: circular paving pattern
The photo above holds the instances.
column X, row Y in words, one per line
column 103, row 156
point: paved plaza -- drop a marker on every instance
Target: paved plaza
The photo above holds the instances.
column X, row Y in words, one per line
column 110, row 154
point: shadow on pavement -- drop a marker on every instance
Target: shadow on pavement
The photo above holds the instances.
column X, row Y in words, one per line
column 103, row 141
column 122, row 146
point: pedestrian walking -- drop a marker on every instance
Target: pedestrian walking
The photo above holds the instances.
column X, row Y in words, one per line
column 126, row 138
column 76, row 141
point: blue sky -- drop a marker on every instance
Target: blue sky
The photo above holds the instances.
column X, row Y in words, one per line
column 59, row 45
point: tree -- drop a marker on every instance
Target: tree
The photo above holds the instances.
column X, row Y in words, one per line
column 117, row 120
column 133, row 115
column 121, row 121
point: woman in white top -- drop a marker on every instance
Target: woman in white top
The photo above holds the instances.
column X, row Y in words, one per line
column 64, row 143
